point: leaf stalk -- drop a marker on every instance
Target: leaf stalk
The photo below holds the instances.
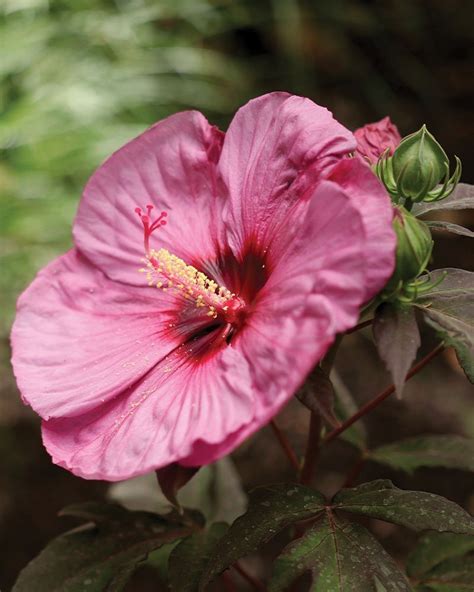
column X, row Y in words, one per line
column 375, row 402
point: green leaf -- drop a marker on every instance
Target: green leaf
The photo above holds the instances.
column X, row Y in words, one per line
column 449, row 309
column 100, row 555
column 452, row 451
column 342, row 557
column 317, row 394
column 454, row 575
column 189, row 558
column 397, row 339
column 435, row 547
column 462, row 198
column 449, row 227
column 270, row 510
column 417, row 510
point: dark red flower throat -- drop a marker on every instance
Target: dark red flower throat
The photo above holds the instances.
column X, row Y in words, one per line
column 215, row 301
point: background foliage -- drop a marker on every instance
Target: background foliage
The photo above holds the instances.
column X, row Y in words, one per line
column 80, row 77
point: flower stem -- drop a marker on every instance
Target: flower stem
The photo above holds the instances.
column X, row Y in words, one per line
column 312, row 449
column 285, row 445
column 256, row 584
column 375, row 402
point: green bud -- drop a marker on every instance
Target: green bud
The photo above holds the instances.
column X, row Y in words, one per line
column 418, row 170
column 419, row 165
column 414, row 247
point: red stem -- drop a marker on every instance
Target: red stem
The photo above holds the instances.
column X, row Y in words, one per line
column 285, row 445
column 228, row 583
column 312, row 450
column 355, row 471
column 256, row 584
column 375, row 402
column 360, row 326
column 313, row 444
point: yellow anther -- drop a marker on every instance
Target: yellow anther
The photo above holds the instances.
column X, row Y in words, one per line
column 167, row 271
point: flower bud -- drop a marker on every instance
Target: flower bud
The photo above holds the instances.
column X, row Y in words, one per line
column 419, row 164
column 375, row 138
column 414, row 247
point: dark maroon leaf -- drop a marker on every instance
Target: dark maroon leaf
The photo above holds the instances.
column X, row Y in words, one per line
column 417, row 510
column 102, row 554
column 451, row 451
column 449, row 227
column 189, row 558
column 397, row 339
column 172, row 477
column 317, row 394
column 345, row 407
column 270, row 510
column 435, row 547
column 462, row 198
column 453, row 575
column 342, row 557
column 449, row 309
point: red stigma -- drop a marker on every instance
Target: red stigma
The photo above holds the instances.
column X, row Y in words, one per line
column 150, row 226
column 235, row 311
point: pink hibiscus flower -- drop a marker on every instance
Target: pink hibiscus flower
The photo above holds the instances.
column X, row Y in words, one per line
column 273, row 242
column 374, row 138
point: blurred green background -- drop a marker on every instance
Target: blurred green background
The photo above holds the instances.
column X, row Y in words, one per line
column 80, row 77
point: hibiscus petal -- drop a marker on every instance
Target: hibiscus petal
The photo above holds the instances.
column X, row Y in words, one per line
column 180, row 404
column 313, row 293
column 194, row 411
column 276, row 149
column 367, row 193
column 79, row 339
column 171, row 166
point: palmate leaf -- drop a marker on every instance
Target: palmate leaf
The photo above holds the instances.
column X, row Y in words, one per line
column 342, row 557
column 451, row 451
column 397, row 339
column 417, row 510
column 462, row 198
column 270, row 510
column 449, row 309
column 434, row 548
column 189, row 558
column 102, row 554
column 273, row 508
